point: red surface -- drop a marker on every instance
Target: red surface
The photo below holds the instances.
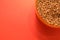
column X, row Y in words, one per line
column 18, row 22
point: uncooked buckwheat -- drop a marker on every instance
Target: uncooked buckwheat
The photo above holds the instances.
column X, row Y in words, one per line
column 49, row 10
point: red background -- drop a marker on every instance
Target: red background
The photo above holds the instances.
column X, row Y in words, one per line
column 18, row 22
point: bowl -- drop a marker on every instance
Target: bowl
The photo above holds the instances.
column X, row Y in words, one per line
column 42, row 20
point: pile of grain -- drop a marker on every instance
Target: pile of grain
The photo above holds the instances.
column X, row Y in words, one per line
column 49, row 10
